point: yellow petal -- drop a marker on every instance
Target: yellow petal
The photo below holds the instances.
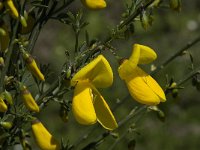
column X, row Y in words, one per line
column 144, row 89
column 126, row 69
column 103, row 112
column 94, row 4
column 43, row 137
column 82, row 104
column 142, row 54
column 98, row 72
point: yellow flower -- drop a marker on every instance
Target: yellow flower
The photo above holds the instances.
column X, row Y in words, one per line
column 94, row 4
column 43, row 138
column 142, row 87
column 88, row 105
column 29, row 100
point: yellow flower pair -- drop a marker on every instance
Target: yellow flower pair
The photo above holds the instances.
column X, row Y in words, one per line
column 89, row 106
column 142, row 87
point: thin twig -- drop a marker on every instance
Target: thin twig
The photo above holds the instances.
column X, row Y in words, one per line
column 189, row 76
column 120, row 124
column 178, row 53
column 131, row 18
column 88, row 133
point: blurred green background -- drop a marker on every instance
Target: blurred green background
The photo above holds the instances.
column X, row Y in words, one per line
column 170, row 32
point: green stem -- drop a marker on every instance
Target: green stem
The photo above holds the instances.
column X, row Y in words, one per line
column 8, row 55
column 189, row 76
column 107, row 133
column 131, row 18
column 49, row 91
column 118, row 140
column 76, row 42
column 178, row 53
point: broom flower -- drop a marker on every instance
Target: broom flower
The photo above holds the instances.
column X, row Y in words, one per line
column 88, row 104
column 142, row 87
column 43, row 137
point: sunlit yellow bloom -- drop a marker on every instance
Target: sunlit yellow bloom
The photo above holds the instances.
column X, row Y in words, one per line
column 88, row 105
column 142, row 87
column 94, row 4
column 43, row 138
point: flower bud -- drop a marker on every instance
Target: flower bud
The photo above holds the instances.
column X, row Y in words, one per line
column 174, row 93
column 68, row 72
column 11, row 6
column 6, row 124
column 23, row 21
column 3, row 106
column 2, row 32
column 8, row 97
column 30, row 20
column 175, row 5
column 25, row 15
column 32, row 67
column 161, row 115
column 29, row 100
